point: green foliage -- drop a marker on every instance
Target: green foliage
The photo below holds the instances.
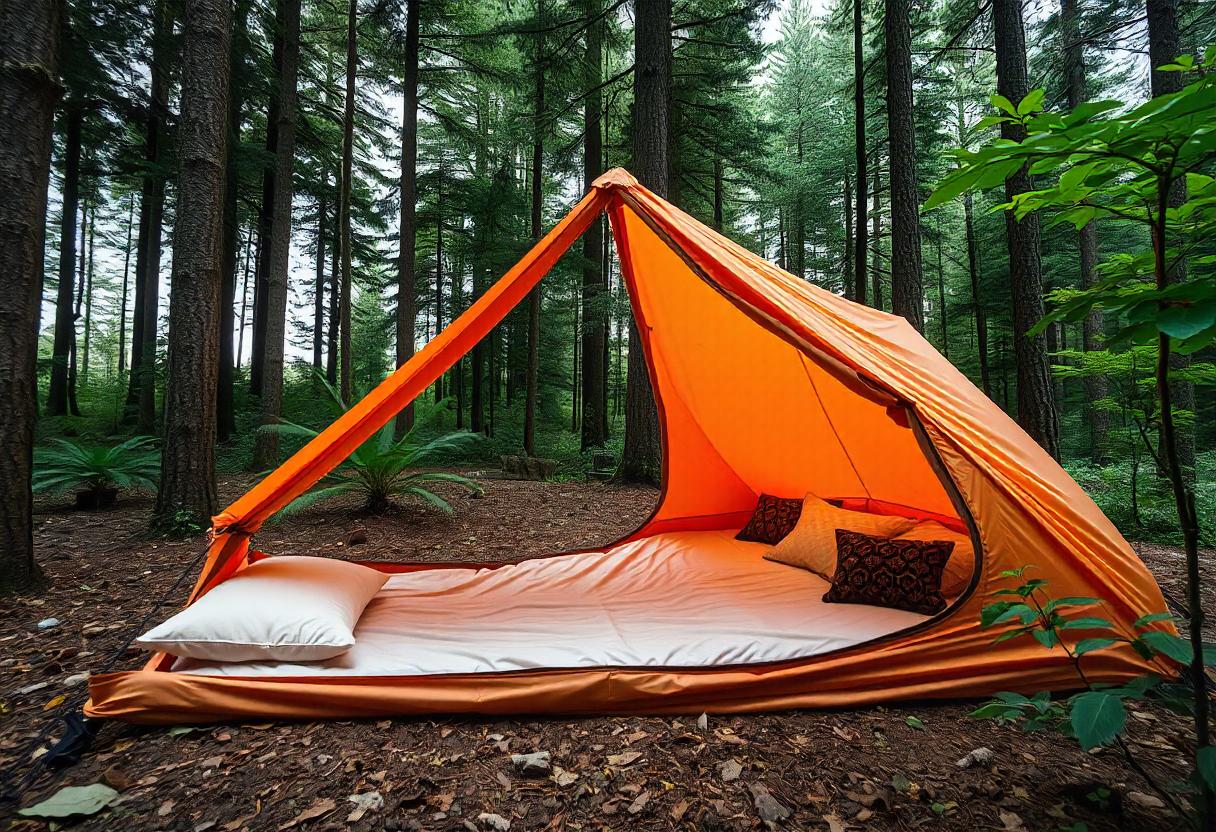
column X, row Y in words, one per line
column 1097, row 716
column 384, row 467
column 65, row 465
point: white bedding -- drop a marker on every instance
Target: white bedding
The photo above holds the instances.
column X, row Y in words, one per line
column 689, row 599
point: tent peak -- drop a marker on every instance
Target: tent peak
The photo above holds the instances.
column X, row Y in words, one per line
column 615, row 178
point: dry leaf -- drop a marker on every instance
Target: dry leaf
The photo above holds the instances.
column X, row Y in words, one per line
column 639, row 802
column 679, row 810
column 320, row 806
column 835, row 824
column 624, row 759
column 165, row 808
column 54, row 703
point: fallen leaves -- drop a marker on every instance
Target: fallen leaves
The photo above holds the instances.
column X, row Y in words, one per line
column 624, row 759
column 770, row 809
column 72, row 801
column 320, row 807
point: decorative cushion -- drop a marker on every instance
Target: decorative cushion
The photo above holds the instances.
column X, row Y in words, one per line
column 281, row 609
column 812, row 543
column 899, row 574
column 960, row 567
column 773, row 519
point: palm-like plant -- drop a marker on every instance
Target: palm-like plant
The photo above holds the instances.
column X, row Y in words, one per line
column 96, row 473
column 383, row 467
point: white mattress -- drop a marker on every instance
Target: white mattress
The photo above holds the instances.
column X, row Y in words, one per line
column 689, row 599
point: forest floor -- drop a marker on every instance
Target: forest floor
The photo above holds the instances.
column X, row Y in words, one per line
column 873, row 768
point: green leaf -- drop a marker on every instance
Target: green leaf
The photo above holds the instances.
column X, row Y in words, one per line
column 1032, row 103
column 1086, row 623
column 1089, row 645
column 1152, row 618
column 915, row 722
column 1004, row 104
column 1168, row 644
column 1183, row 322
column 73, row 800
column 1097, row 718
column 995, row 710
column 1205, row 763
column 1047, row 638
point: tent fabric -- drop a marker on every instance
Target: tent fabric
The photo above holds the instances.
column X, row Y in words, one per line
column 764, row 383
column 679, row 599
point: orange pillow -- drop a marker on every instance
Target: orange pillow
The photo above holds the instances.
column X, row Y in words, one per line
column 961, row 565
column 812, row 543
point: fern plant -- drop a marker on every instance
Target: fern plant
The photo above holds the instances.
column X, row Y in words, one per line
column 96, row 473
column 384, row 468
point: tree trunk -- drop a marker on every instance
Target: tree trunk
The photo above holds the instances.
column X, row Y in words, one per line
column 187, row 483
column 532, row 368
column 240, row 339
column 860, row 244
column 941, row 293
column 718, row 221
column 344, row 230
column 141, row 395
column 1035, row 392
column 266, row 443
column 225, row 417
column 595, row 289
column 847, row 259
column 126, row 284
column 318, row 300
column 266, row 208
column 641, row 457
column 1164, row 45
column 87, row 295
column 439, row 277
column 57, row 395
column 407, row 298
column 335, row 292
column 907, row 279
column 1096, row 388
column 876, row 271
column 29, row 40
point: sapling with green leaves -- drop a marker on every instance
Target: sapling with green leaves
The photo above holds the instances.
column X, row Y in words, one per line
column 1107, row 159
column 1096, row 716
column 96, row 472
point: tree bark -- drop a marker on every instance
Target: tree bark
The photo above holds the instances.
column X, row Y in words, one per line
column 57, row 394
column 1035, row 392
column 439, row 274
column 126, row 285
column 266, row 443
column 318, row 300
column 1164, row 45
column 335, row 292
column 532, row 368
column 73, row 404
column 225, row 417
column 266, row 208
column 87, row 296
column 141, row 394
column 187, row 483
column 407, row 293
column 1096, row 387
column 847, row 261
column 876, row 271
column 240, row 338
column 344, row 230
column 29, row 89
column 641, row 459
column 595, row 289
column 907, row 278
column 860, row 244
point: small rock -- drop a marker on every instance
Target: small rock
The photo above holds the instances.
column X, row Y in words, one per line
column 497, row 822
column 48, row 623
column 535, row 764
column 34, row 688
column 703, row 722
column 980, row 756
column 730, row 770
column 364, row 803
column 771, row 809
column 75, row 679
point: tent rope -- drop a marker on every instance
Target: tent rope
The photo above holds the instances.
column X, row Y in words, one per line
column 78, row 730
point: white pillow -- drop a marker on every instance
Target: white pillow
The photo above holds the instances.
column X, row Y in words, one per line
column 283, row 609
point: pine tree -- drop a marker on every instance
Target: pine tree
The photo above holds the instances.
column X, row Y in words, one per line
column 187, row 483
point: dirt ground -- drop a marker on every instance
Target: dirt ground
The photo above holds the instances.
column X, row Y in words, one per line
column 884, row 768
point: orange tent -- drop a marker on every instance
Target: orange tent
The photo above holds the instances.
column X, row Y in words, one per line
column 765, row 384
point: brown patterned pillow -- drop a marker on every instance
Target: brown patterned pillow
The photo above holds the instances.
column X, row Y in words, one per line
column 900, row 574
column 773, row 519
